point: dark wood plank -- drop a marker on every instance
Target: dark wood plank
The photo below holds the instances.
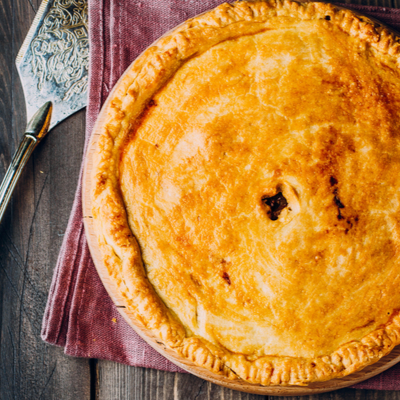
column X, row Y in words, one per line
column 31, row 234
column 117, row 381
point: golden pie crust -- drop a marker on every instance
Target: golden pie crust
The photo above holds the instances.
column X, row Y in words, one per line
column 220, row 115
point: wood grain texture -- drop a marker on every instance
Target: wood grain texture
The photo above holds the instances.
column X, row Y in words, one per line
column 31, row 234
column 30, row 238
column 118, row 381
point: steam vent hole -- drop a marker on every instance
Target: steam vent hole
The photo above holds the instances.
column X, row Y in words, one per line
column 275, row 205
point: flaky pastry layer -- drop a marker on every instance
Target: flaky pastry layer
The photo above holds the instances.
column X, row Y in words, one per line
column 228, row 110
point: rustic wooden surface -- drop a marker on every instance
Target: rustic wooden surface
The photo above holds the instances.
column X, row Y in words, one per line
column 30, row 238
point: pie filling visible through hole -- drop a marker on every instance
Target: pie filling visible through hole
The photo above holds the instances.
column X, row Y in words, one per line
column 275, row 205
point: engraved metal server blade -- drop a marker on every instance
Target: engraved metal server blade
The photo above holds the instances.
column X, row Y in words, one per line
column 54, row 59
column 53, row 66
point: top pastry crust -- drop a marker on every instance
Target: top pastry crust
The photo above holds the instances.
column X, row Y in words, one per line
column 246, row 191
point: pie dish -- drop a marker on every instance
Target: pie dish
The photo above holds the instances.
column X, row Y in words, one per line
column 246, row 191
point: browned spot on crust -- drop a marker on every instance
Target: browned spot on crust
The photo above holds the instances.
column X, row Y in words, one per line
column 338, row 203
column 364, row 326
column 333, row 181
column 226, row 277
column 102, row 180
column 195, row 280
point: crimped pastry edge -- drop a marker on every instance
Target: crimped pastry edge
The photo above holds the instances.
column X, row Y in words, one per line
column 119, row 248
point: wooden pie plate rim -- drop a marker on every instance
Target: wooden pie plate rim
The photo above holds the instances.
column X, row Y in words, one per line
column 314, row 388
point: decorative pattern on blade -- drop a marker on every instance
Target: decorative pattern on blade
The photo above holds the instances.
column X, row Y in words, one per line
column 60, row 50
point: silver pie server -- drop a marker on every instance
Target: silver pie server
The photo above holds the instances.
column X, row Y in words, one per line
column 53, row 65
column 36, row 130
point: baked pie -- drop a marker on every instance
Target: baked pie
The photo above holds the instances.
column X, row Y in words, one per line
column 246, row 191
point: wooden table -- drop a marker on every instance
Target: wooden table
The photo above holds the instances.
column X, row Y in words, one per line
column 30, row 237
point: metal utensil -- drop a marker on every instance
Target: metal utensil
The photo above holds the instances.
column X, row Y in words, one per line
column 53, row 66
column 35, row 132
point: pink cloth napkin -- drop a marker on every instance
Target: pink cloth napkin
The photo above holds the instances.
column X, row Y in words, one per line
column 80, row 315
